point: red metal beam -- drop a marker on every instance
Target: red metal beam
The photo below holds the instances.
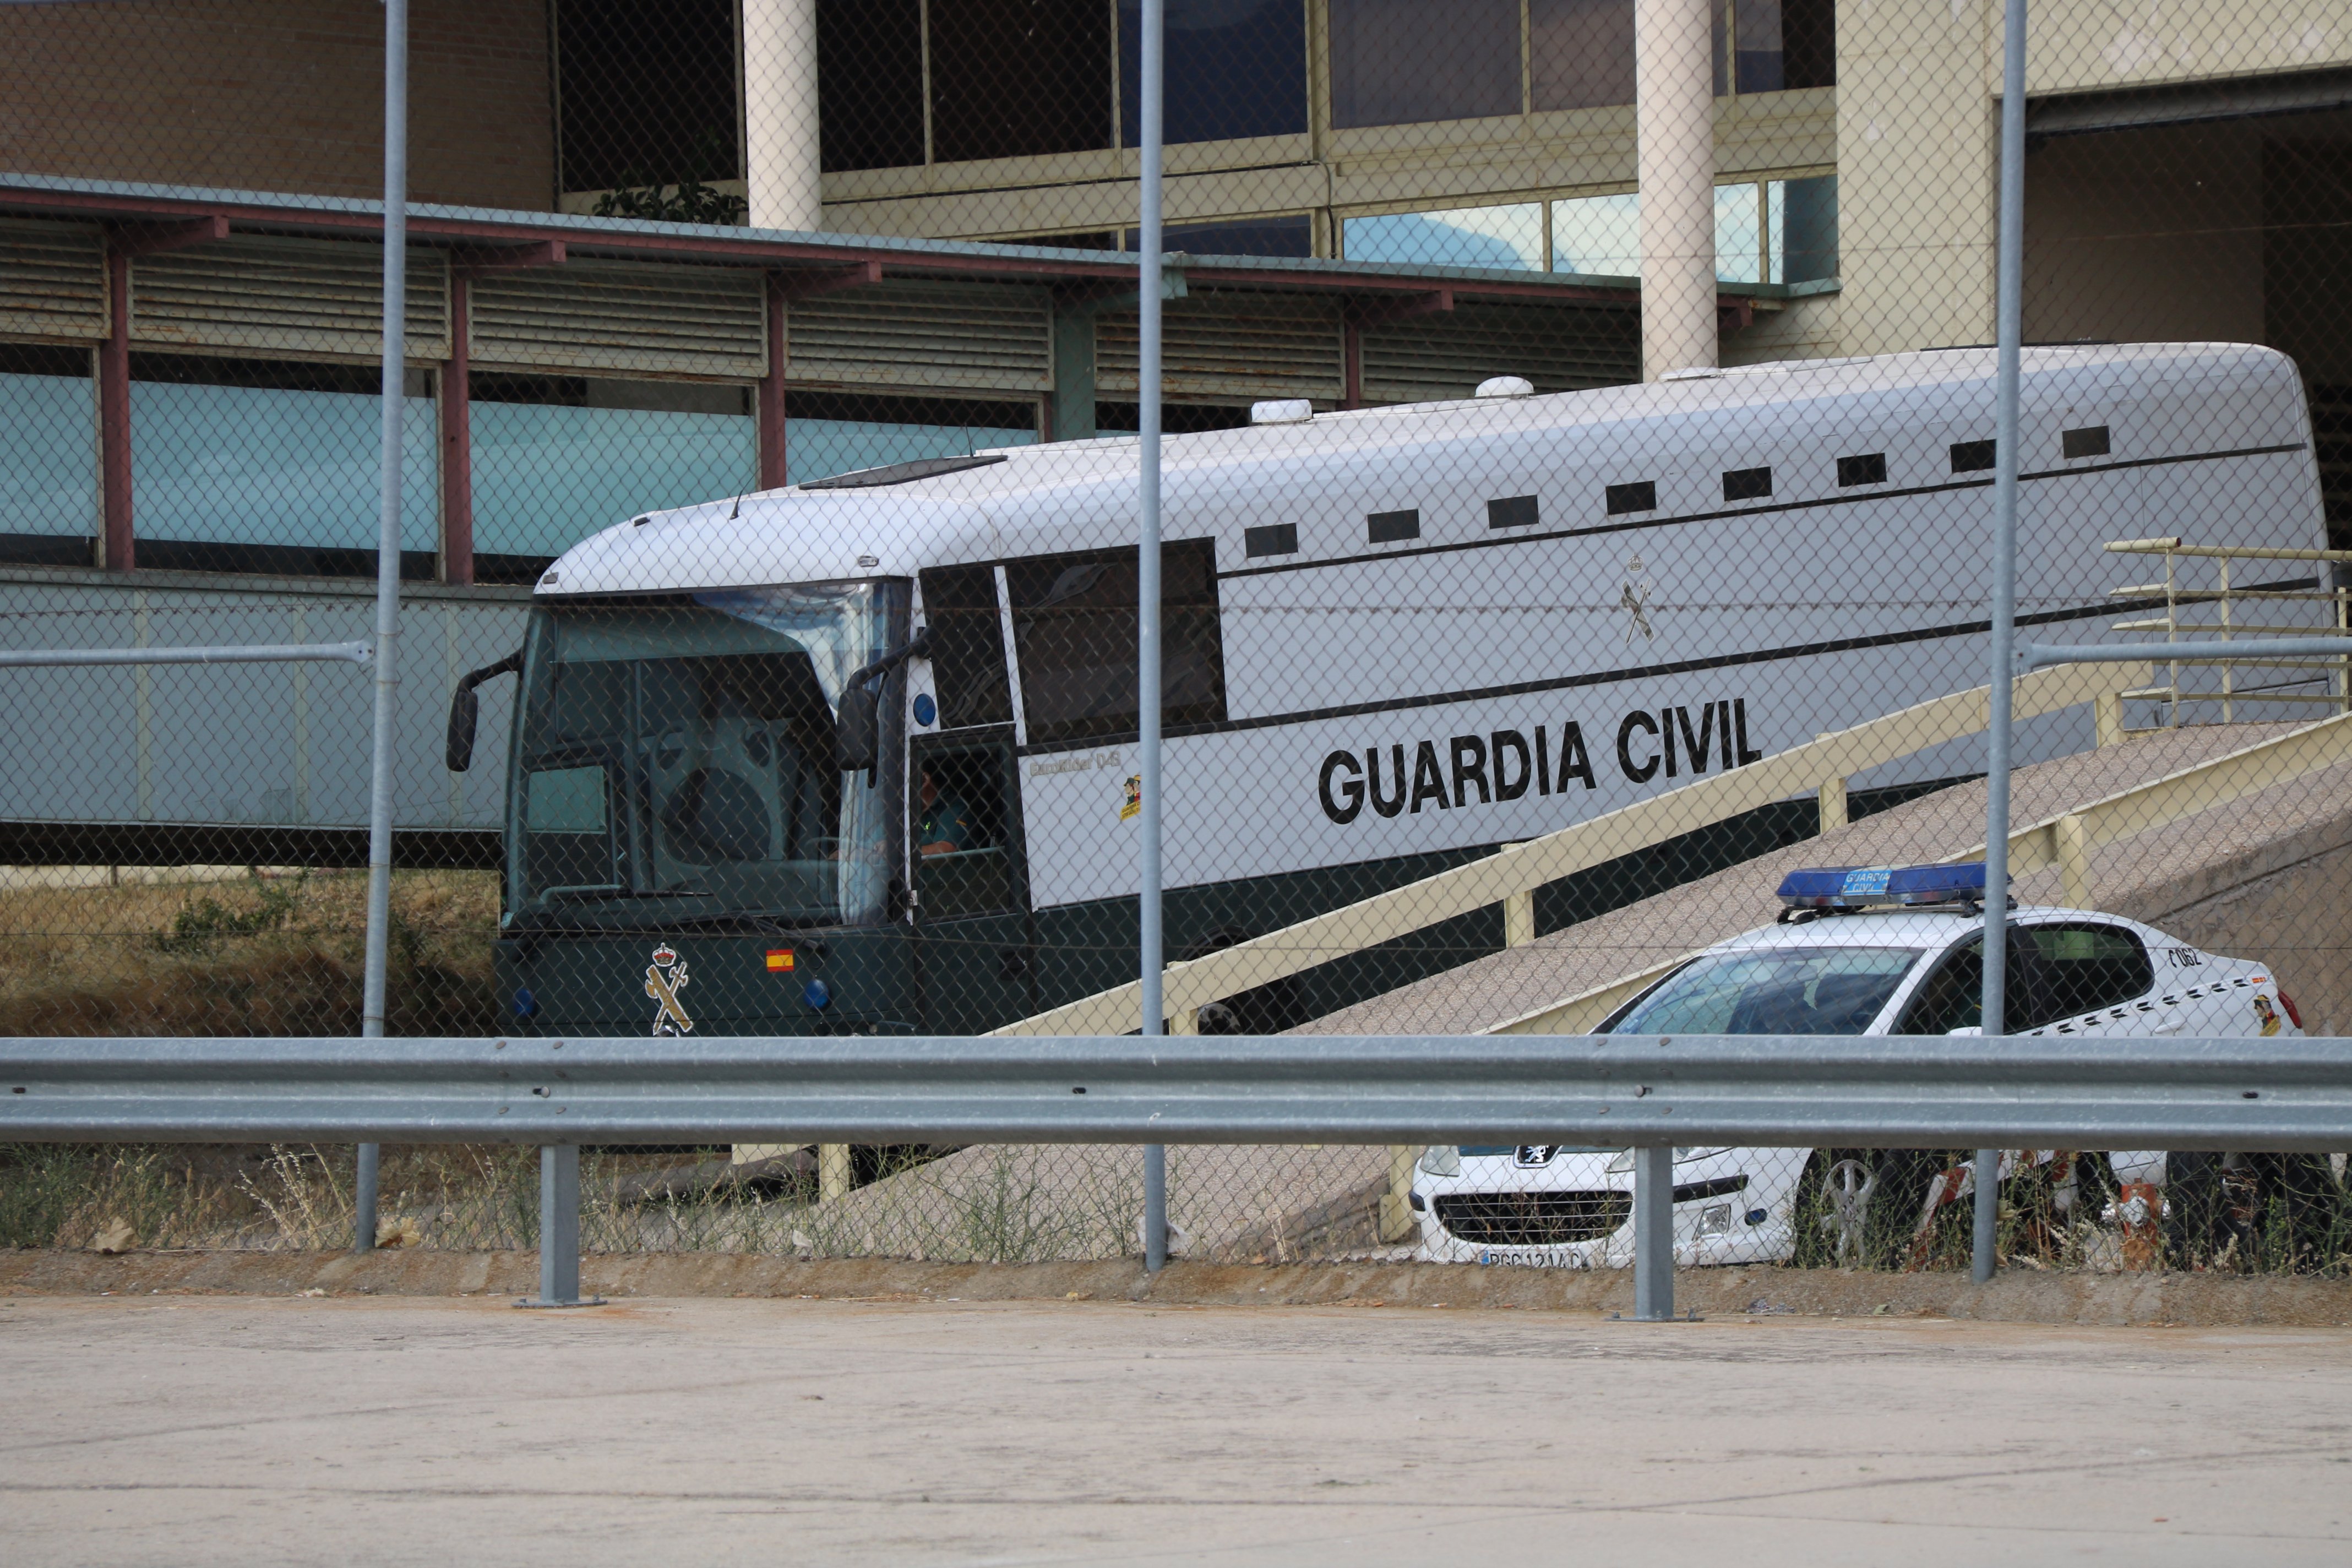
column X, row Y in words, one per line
column 783, row 288
column 786, row 287
column 115, row 550
column 472, row 260
column 456, row 414
column 154, row 238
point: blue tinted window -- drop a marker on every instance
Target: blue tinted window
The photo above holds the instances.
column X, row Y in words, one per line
column 547, row 476
column 1292, row 236
column 48, row 467
column 1401, row 62
column 269, row 466
column 1234, row 68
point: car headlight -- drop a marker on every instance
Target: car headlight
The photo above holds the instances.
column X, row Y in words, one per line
column 1440, row 1159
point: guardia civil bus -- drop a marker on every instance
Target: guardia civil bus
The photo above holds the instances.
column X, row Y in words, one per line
column 860, row 754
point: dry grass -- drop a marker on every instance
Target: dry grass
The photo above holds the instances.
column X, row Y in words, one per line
column 279, row 955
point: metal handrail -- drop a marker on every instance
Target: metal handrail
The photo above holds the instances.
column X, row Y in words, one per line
column 2334, row 665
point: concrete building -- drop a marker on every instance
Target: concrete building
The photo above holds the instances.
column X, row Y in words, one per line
column 618, row 302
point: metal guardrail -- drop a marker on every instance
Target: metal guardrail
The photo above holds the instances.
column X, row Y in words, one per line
column 1646, row 1091
column 1794, row 1090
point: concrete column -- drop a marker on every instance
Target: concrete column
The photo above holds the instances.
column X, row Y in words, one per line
column 780, row 120
column 1674, row 117
column 1917, row 152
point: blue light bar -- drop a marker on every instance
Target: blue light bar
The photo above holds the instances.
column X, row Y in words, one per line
column 1863, row 886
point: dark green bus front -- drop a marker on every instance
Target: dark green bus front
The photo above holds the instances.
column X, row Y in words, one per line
column 684, row 855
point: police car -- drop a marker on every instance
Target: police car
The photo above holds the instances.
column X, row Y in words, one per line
column 1857, row 950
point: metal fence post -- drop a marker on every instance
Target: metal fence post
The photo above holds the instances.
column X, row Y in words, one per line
column 1654, row 1234
column 2009, row 333
column 1147, row 601
column 387, row 566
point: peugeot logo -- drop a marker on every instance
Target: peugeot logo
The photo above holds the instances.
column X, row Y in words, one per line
column 1530, row 1156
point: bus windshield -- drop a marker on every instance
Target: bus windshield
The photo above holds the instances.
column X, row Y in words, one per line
column 1773, row 991
column 675, row 761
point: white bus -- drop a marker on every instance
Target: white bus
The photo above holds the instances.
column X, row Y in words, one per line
column 859, row 754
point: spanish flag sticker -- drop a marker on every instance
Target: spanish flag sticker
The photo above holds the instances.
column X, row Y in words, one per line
column 780, row 959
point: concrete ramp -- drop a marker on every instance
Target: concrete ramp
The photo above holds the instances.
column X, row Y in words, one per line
column 2267, row 874
column 2239, row 879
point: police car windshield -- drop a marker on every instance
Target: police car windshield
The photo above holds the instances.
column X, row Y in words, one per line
column 1774, row 991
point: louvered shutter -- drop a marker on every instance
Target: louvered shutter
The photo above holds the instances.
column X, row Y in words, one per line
column 52, row 280
column 268, row 296
column 981, row 337
column 1230, row 348
column 1560, row 348
column 617, row 316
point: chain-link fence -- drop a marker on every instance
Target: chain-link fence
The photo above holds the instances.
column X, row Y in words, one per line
column 1579, row 506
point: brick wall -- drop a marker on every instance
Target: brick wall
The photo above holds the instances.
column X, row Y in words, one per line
column 281, row 95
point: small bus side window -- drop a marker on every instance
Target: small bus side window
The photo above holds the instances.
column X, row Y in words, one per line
column 967, row 646
column 1073, row 625
column 965, row 833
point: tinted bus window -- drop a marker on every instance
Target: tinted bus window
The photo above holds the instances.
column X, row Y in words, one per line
column 1074, row 628
column 967, row 646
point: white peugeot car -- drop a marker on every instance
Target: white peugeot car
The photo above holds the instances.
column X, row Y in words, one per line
column 1857, row 951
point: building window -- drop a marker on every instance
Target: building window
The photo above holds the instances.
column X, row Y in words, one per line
column 869, row 73
column 1016, row 78
column 647, row 106
column 243, row 466
column 1511, row 238
column 49, row 467
column 557, row 458
column 1289, row 235
column 829, row 433
column 1232, row 69
column 1580, row 53
column 1766, row 231
column 1394, row 62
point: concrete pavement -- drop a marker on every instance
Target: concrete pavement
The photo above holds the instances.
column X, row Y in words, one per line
column 192, row 1430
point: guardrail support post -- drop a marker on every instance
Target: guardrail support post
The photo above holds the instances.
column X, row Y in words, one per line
column 559, row 1223
column 363, row 1200
column 1654, row 1234
column 1984, row 1254
column 559, row 1229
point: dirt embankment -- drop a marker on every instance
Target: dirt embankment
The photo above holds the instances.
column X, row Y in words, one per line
column 2150, row 1299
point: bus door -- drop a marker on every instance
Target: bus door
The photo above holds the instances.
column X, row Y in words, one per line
column 974, row 951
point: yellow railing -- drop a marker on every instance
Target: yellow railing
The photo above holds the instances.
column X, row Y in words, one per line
column 1511, row 876
column 2066, row 841
column 2226, row 602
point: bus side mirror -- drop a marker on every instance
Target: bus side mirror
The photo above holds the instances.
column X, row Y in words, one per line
column 858, row 728
column 465, row 711
column 856, row 732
